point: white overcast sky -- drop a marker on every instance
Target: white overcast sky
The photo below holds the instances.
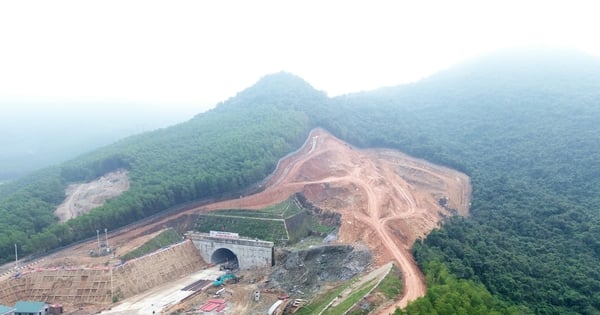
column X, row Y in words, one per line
column 197, row 53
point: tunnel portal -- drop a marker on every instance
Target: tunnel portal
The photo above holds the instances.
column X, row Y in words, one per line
column 231, row 251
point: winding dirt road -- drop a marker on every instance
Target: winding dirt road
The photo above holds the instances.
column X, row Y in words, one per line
column 386, row 199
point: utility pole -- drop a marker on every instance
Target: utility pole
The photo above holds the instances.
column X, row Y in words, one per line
column 16, row 257
column 98, row 238
column 106, row 236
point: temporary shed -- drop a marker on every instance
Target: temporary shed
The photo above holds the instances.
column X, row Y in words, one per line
column 6, row 310
column 31, row 308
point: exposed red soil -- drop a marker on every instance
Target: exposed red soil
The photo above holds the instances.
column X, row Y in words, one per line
column 387, row 200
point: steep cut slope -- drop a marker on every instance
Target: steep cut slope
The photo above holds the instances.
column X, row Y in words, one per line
column 76, row 286
column 387, row 199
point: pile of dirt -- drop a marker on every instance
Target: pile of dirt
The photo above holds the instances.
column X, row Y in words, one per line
column 305, row 271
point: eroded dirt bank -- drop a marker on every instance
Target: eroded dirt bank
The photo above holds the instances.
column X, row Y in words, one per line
column 82, row 198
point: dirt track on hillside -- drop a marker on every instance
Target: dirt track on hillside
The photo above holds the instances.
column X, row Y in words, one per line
column 387, row 200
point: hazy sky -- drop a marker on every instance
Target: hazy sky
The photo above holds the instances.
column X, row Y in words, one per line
column 196, row 53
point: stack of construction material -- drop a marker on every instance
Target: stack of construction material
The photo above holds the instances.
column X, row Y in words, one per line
column 213, row 305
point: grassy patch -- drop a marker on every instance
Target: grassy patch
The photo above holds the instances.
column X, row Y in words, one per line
column 322, row 301
column 269, row 230
column 389, row 288
column 321, row 228
column 281, row 210
column 391, row 285
column 319, row 303
column 244, row 213
column 163, row 239
column 266, row 224
column 285, row 209
column 352, row 299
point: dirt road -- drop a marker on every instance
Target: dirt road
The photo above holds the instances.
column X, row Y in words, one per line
column 386, row 199
column 155, row 300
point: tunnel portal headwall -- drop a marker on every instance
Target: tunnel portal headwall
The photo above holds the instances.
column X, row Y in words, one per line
column 250, row 253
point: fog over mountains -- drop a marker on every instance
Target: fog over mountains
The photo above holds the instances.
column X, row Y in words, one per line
column 524, row 125
column 36, row 134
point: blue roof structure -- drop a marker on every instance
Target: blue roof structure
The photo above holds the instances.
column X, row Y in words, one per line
column 29, row 307
column 5, row 309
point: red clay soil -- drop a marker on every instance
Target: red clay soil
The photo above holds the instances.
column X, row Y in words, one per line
column 387, row 200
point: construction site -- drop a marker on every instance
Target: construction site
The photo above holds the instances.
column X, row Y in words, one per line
column 331, row 224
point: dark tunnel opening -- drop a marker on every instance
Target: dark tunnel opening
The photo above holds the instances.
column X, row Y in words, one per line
column 226, row 258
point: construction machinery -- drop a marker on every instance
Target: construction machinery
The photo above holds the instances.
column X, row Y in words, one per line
column 226, row 278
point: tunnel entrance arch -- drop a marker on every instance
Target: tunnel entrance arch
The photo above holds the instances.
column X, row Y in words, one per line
column 247, row 253
column 225, row 257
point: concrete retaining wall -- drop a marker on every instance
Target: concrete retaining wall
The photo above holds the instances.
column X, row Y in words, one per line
column 93, row 286
column 58, row 286
column 250, row 253
column 157, row 268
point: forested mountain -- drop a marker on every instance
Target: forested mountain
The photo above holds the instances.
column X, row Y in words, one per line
column 526, row 128
column 220, row 151
column 524, row 125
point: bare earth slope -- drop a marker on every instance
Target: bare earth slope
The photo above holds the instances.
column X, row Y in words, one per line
column 387, row 199
column 81, row 198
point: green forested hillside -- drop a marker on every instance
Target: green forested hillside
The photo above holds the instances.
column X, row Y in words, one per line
column 448, row 295
column 221, row 151
column 525, row 126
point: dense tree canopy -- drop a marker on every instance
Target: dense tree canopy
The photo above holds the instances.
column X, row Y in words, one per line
column 221, row 151
column 447, row 295
column 524, row 126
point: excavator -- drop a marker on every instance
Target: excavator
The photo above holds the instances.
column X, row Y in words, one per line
column 226, row 278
